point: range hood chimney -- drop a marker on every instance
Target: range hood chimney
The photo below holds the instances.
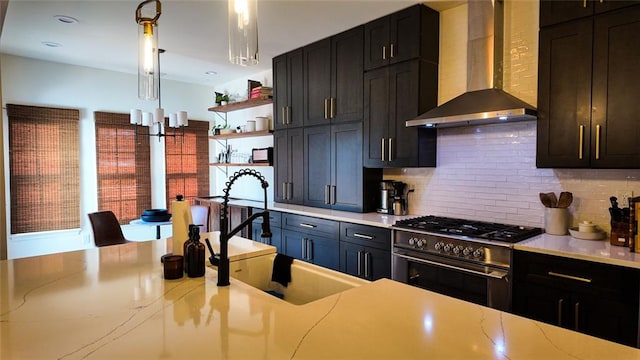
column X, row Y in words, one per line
column 484, row 102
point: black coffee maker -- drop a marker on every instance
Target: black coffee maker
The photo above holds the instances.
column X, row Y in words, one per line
column 393, row 197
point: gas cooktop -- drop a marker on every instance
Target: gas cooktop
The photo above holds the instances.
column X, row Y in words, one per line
column 469, row 228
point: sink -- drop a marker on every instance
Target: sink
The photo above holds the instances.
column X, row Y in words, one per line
column 309, row 282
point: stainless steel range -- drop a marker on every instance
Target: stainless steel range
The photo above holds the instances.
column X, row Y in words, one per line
column 466, row 259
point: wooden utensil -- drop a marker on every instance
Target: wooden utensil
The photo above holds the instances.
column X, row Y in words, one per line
column 548, row 199
column 565, row 199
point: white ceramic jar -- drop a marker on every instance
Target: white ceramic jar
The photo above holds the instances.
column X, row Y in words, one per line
column 262, row 123
column 251, row 126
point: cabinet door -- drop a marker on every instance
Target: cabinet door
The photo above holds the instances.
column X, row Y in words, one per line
column 317, row 82
column 292, row 243
column 554, row 12
column 364, row 262
column 346, row 167
column 317, row 166
column 377, row 263
column 288, row 90
column 281, row 165
column 404, row 35
column 347, row 70
column 376, row 43
column 351, row 259
column 280, row 91
column 564, row 95
column 323, row 251
column 616, row 84
column 376, row 113
column 402, row 146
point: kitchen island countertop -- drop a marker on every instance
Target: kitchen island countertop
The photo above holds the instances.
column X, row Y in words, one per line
column 112, row 302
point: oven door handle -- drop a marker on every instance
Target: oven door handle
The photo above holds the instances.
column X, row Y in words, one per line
column 493, row 274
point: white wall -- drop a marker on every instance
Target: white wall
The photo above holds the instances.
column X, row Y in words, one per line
column 488, row 172
column 33, row 82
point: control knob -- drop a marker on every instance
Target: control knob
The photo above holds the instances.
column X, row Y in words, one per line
column 467, row 251
column 458, row 249
column 478, row 253
column 439, row 246
column 412, row 241
column 420, row 243
column 448, row 247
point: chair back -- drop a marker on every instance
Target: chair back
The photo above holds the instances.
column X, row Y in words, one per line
column 200, row 216
column 106, row 229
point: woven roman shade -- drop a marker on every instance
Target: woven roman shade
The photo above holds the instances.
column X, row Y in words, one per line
column 123, row 162
column 44, row 166
column 187, row 162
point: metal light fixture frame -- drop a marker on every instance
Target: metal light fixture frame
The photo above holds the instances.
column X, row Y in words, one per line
column 148, row 54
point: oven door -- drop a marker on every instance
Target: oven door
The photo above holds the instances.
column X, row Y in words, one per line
column 479, row 284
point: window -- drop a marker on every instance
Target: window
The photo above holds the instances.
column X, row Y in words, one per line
column 187, row 162
column 123, row 162
column 44, row 166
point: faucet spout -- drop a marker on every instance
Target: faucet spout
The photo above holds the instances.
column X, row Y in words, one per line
column 226, row 233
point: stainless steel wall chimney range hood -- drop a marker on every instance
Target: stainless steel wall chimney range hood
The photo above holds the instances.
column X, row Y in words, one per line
column 484, row 102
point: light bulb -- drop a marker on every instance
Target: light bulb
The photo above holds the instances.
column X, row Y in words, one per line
column 148, row 48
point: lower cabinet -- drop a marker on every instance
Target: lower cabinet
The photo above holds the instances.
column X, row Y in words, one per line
column 593, row 298
column 365, row 251
column 311, row 248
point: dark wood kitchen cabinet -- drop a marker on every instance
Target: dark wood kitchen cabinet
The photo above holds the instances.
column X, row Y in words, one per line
column 593, row 298
column 588, row 78
column 393, row 95
column 403, row 35
column 288, row 150
column 333, row 70
column 365, row 251
column 311, row 239
column 287, row 90
column 554, row 12
column 333, row 173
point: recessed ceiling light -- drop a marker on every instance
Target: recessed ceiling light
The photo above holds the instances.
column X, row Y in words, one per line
column 51, row 44
column 211, row 72
column 66, row 19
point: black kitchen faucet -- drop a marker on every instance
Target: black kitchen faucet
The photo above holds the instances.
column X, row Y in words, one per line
column 222, row 260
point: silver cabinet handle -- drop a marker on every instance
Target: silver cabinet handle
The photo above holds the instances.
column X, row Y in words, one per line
column 308, row 226
column 289, row 191
column 288, row 113
column 304, row 248
column 332, row 194
column 362, row 236
column 384, row 53
column 570, row 277
column 309, row 249
column 284, row 191
column 598, row 142
column 326, row 108
column 581, row 144
column 382, row 152
column 390, row 146
column 284, row 116
column 576, row 314
column 560, row 312
column 392, row 51
column 366, row 264
column 333, row 108
column 327, row 190
column 359, row 263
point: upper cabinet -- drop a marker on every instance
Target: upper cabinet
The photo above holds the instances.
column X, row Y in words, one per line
column 333, row 70
column 401, row 36
column 554, row 12
column 287, row 90
column 588, row 81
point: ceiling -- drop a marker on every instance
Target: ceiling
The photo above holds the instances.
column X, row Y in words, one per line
column 193, row 33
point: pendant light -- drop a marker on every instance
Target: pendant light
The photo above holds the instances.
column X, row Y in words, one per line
column 148, row 73
column 243, row 32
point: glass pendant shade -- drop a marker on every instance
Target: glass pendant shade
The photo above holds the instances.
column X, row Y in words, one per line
column 243, row 32
column 148, row 74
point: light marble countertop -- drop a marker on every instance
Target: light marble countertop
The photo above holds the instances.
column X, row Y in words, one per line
column 594, row 250
column 113, row 303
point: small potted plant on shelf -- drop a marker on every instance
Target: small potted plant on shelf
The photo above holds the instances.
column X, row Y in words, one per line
column 221, row 129
column 224, row 100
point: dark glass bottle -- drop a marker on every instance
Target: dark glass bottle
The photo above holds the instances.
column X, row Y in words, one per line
column 194, row 253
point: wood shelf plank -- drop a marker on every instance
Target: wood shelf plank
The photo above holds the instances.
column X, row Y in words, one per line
column 240, row 105
column 241, row 135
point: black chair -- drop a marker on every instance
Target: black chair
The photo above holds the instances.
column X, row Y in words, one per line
column 106, row 229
